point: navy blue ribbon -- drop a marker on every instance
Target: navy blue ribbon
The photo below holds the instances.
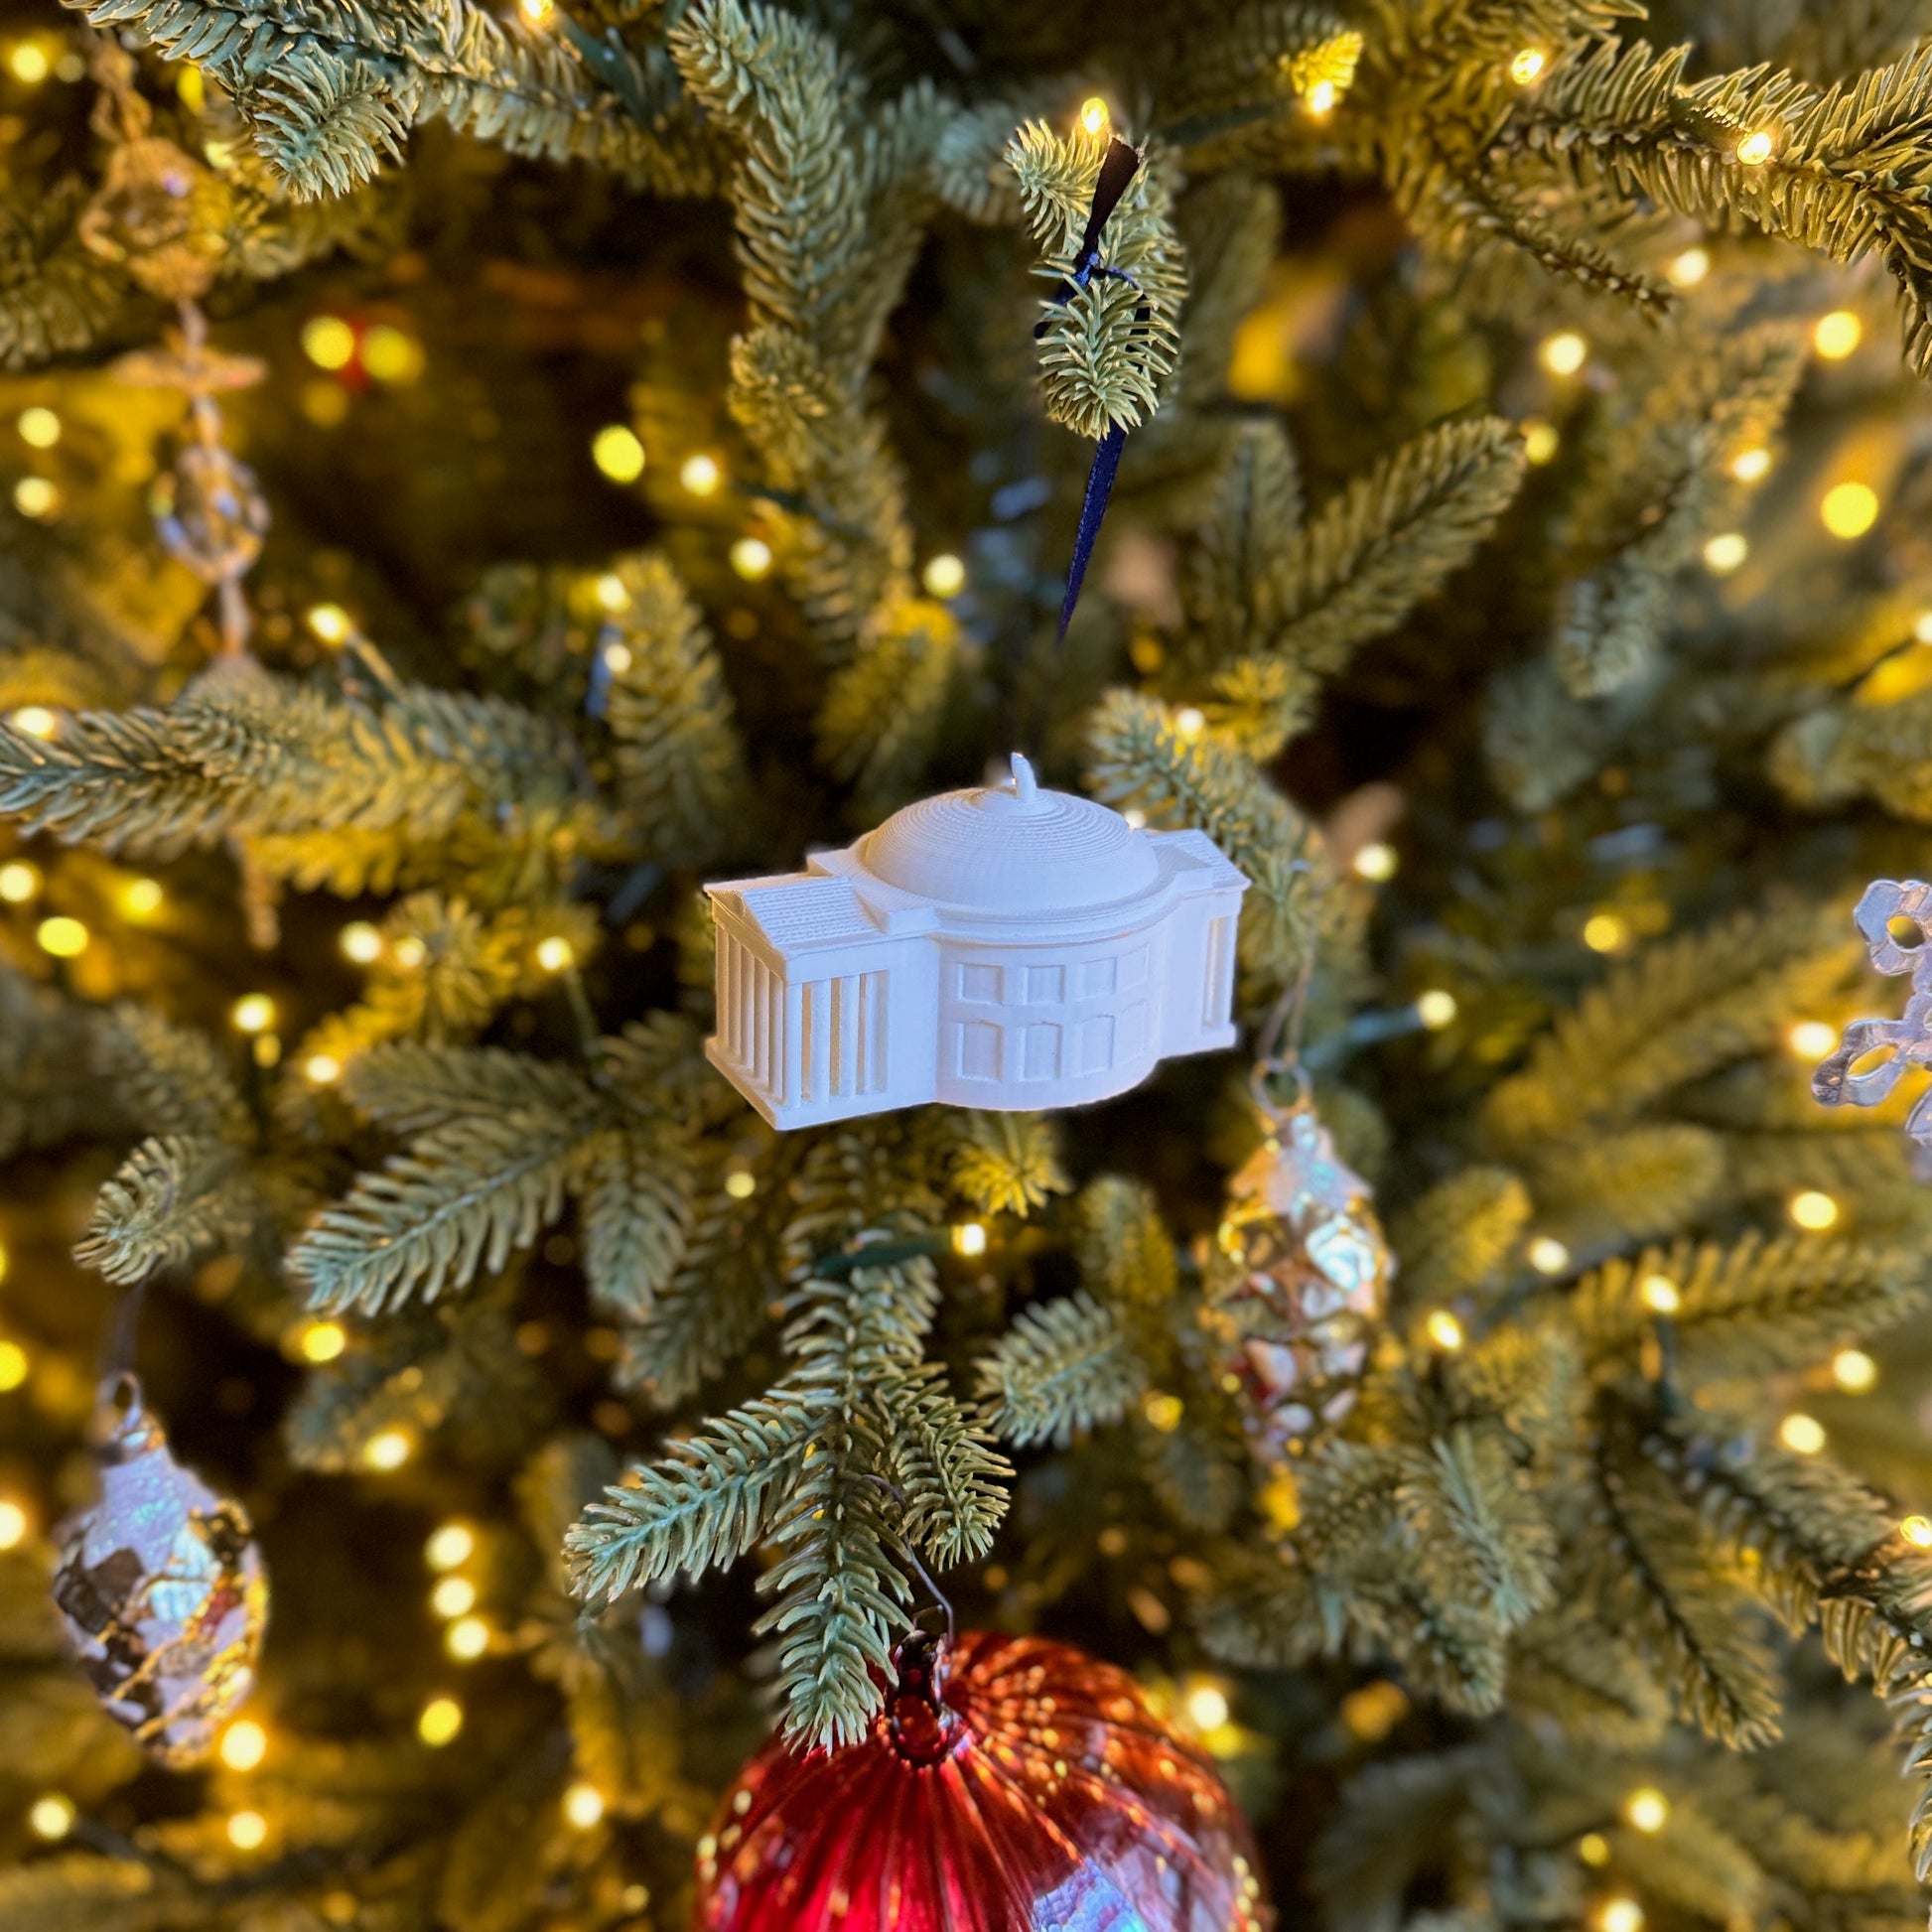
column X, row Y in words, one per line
column 1118, row 167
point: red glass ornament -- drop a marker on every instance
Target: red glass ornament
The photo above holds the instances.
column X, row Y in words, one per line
column 1010, row 1784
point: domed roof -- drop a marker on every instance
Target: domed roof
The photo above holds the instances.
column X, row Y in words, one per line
column 1011, row 848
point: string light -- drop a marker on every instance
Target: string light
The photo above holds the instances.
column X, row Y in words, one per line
column 452, row 1598
column 322, row 1070
column 617, row 659
column 751, row 557
column 1849, row 509
column 1752, row 465
column 388, row 1450
column 969, row 1238
column 1647, row 1809
column 1189, row 722
column 1443, row 1330
column 409, row 952
column 1321, row 98
column 466, row 1639
column 1093, row 114
column 1164, row 1412
column 12, row 1366
column 19, row 882
column 700, row 474
column 1548, row 1255
column 1541, row 440
column 1606, row 932
column 1527, row 65
column 1376, row 862
column 1855, row 1371
column 65, row 938
column 1812, row 1040
column 1837, row 334
column 556, row 953
column 361, row 942
column 1754, row 150
column 442, row 1719
column 243, row 1744
column 141, row 898
column 1726, row 551
column 612, row 593
column 1207, row 1704
column 28, row 64
column 12, row 1525
column 1620, row 1914
column 1802, row 1435
column 52, row 1816
column 616, row 451
column 36, row 496
column 944, row 575
column 35, row 720
column 1922, row 628
column 448, row 1545
column 582, row 1805
column 1686, row 270
column 1917, row 1531
column 538, row 13
column 253, row 1013
column 1812, row 1209
column 1594, row 1849
column 391, row 355
column 1435, row 1007
column 329, row 622
column 740, row 1183
column 1660, row 1295
column 1565, row 353
column 247, row 1831
column 38, row 427
column 323, row 1341
column 329, row 341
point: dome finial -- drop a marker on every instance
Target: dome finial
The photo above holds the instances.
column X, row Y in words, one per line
column 1026, row 787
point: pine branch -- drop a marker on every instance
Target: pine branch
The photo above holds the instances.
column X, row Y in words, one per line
column 1675, row 1013
column 1659, row 1583
column 941, row 1461
column 171, row 1080
column 1369, row 555
column 1467, row 1500
column 1753, row 1307
column 722, row 1291
column 679, row 758
column 171, row 1201
column 884, row 712
column 1457, row 1237
column 1008, row 1163
column 1127, row 1256
column 1064, row 1368
column 1107, row 353
column 461, row 1199
column 637, row 1204
column 711, row 1500
column 1138, row 758
column 344, row 79
column 1844, row 174
column 57, row 297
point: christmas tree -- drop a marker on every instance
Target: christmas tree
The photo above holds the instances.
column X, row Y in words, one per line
column 478, row 478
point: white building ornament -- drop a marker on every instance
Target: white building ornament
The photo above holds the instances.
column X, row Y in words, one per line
column 1001, row 948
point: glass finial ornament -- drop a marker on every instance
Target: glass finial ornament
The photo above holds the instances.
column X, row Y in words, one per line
column 1895, row 917
column 1299, row 1284
column 1010, row 1784
column 162, row 1591
column 1003, row 947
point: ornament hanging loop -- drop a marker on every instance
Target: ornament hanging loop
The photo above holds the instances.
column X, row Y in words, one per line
column 1277, row 1047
